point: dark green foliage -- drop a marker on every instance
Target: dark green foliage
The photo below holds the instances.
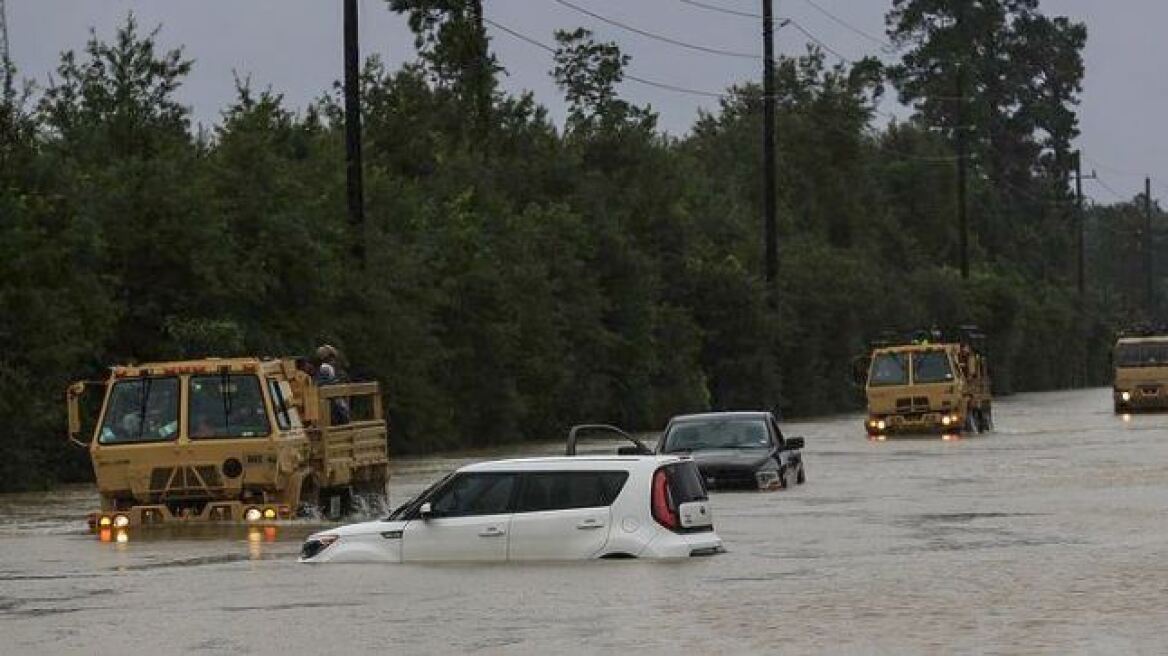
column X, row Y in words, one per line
column 522, row 278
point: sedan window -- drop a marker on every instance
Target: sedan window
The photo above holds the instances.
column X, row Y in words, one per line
column 564, row 490
column 474, row 494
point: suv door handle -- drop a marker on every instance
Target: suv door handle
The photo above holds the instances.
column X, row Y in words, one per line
column 589, row 524
column 492, row 532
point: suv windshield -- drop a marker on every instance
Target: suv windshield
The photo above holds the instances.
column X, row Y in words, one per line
column 889, row 369
column 931, row 367
column 142, row 410
column 738, row 433
column 227, row 406
column 1141, row 354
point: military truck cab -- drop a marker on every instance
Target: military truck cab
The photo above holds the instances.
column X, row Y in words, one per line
column 1141, row 371
column 935, row 384
column 239, row 439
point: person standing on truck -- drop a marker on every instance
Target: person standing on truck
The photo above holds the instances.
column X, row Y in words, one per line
column 327, row 374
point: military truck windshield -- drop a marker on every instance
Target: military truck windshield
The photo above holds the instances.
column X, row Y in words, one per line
column 889, row 369
column 931, row 367
column 227, row 406
column 1142, row 354
column 141, row 410
column 696, row 435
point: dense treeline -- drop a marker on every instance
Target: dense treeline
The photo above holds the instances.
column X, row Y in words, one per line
column 522, row 276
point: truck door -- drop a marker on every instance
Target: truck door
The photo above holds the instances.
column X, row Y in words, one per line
column 470, row 519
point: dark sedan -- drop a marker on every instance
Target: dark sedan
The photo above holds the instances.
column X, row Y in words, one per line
column 743, row 450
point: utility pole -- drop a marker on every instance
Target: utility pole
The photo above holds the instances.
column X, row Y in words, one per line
column 1148, row 277
column 353, row 132
column 5, row 62
column 768, row 131
column 481, row 91
column 1080, row 227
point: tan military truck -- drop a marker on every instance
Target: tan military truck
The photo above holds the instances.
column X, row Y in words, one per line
column 1141, row 371
column 236, row 440
column 933, row 382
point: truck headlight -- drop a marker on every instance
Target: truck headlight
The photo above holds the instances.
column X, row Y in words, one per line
column 880, row 425
column 121, row 521
column 945, row 420
column 1125, row 395
column 252, row 514
column 767, row 480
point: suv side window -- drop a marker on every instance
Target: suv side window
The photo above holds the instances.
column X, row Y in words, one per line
column 475, row 494
column 565, row 490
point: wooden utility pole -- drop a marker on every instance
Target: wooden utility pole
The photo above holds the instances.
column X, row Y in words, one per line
column 481, row 74
column 1149, row 289
column 962, row 219
column 1080, row 225
column 768, row 131
column 353, row 132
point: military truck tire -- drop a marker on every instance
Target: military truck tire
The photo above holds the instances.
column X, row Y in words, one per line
column 336, row 502
column 801, row 477
column 308, row 504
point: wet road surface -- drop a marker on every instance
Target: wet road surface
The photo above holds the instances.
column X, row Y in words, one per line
column 1049, row 535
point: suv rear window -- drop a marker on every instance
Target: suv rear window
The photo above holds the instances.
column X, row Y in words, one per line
column 685, row 483
column 564, row 490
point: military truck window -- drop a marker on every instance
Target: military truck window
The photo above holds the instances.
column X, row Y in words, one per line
column 889, row 369
column 931, row 367
column 564, row 490
column 1142, row 354
column 141, row 410
column 227, row 406
column 280, row 404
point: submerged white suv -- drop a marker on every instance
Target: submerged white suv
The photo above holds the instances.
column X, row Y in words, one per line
column 556, row 508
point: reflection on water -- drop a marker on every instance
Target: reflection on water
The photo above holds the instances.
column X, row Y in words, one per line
column 1045, row 535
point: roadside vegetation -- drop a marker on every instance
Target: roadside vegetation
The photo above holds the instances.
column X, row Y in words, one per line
column 522, row 276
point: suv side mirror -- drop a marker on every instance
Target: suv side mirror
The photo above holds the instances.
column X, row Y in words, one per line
column 793, row 444
column 425, row 511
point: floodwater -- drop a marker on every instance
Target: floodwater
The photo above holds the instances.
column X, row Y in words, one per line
column 1048, row 535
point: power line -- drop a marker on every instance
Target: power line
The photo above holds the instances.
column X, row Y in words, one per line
column 819, row 42
column 722, row 10
column 722, row 95
column 652, row 83
column 884, row 45
column 1113, row 192
column 658, row 37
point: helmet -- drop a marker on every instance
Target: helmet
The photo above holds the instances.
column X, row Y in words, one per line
column 326, row 353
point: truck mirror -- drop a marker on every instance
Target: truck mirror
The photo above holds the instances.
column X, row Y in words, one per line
column 793, row 444
column 860, row 370
column 73, row 402
column 426, row 511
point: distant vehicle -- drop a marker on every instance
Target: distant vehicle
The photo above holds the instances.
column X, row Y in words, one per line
column 733, row 450
column 933, row 382
column 1141, row 370
column 238, row 439
column 555, row 508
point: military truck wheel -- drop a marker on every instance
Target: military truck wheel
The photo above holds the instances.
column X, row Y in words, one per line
column 801, row 477
column 308, row 505
column 336, row 503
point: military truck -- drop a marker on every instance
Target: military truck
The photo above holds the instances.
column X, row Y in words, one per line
column 1141, row 370
column 928, row 382
column 233, row 440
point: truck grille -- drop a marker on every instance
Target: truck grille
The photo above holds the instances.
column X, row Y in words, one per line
column 199, row 479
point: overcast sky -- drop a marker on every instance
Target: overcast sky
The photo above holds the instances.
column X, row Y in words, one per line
column 294, row 46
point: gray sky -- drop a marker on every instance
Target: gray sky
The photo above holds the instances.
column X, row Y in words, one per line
column 295, row 47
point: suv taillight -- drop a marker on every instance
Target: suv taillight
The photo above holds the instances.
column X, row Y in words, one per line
column 663, row 510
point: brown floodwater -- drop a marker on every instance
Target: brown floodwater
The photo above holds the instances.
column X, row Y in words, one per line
column 1048, row 535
